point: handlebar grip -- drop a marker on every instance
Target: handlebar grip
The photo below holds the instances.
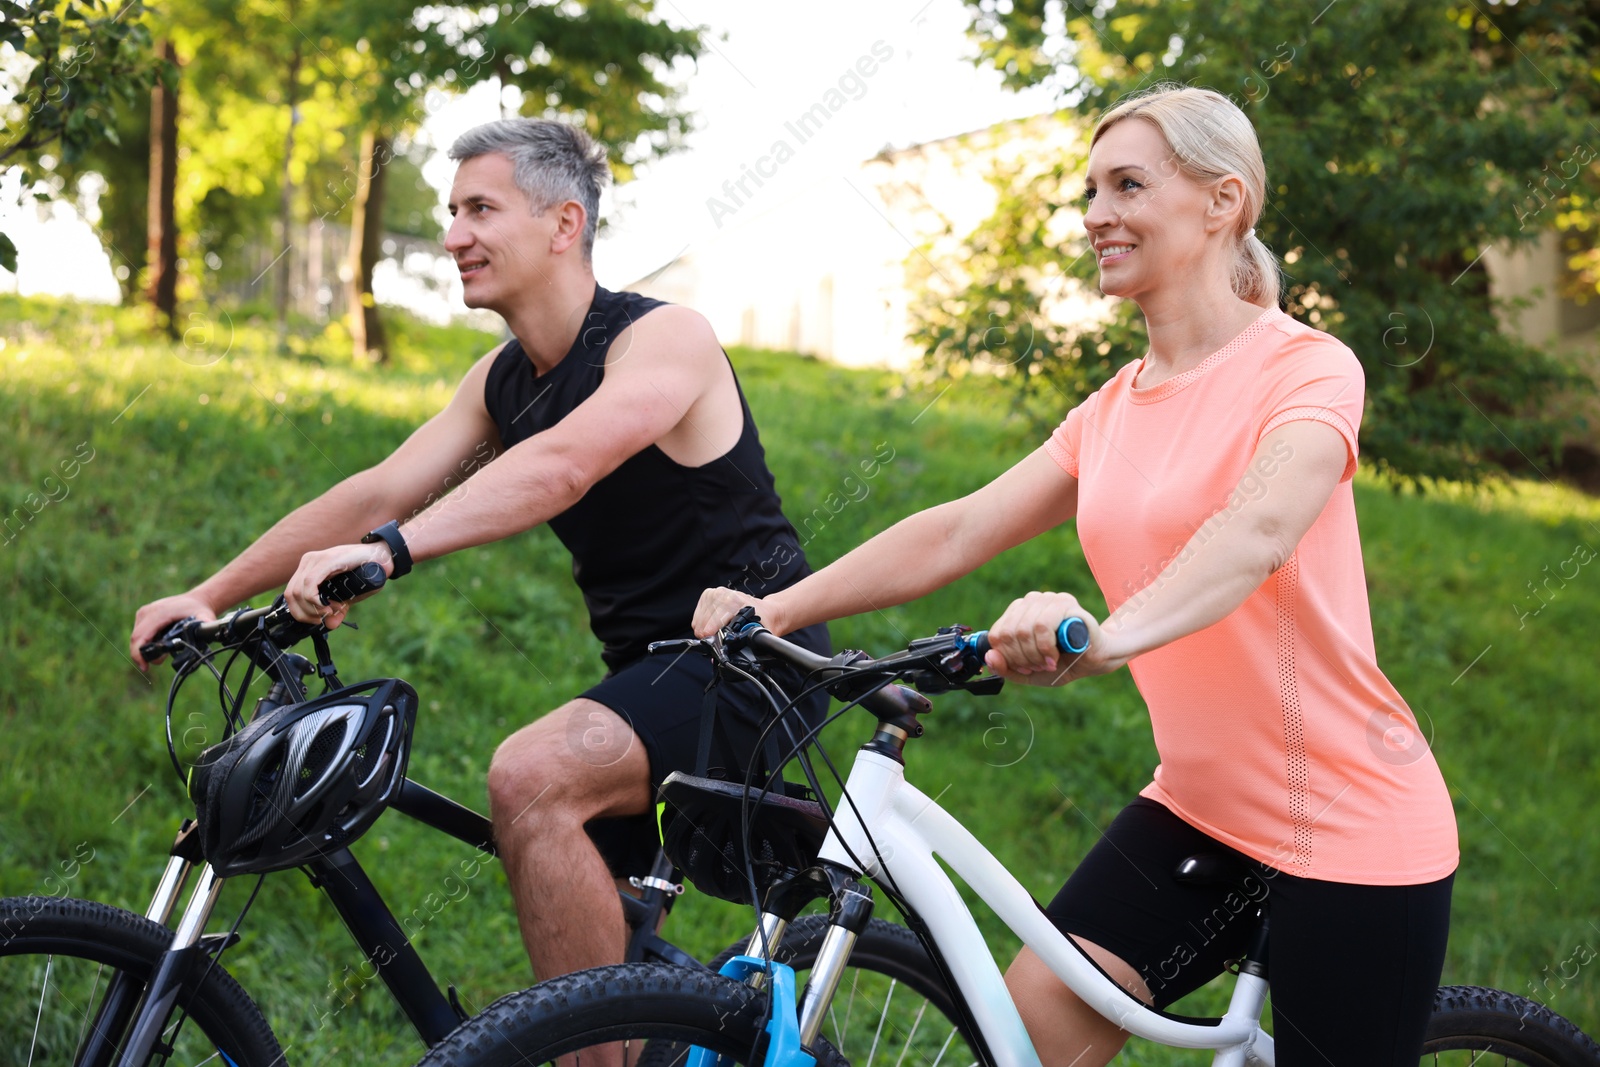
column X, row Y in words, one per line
column 153, row 651
column 1071, row 636
column 367, row 578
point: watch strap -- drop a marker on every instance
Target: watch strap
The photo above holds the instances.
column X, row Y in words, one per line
column 389, row 534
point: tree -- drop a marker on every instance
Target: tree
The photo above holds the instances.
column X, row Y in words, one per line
column 162, row 224
column 1401, row 140
column 83, row 63
column 602, row 63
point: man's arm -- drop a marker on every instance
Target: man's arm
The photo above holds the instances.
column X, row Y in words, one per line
column 661, row 375
column 440, row 454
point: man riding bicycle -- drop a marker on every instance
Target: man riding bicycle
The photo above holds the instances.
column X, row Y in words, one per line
column 617, row 420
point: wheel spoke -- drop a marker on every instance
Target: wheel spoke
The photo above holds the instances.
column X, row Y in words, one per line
column 943, row 1048
column 849, row 1009
column 883, row 1018
column 912, row 1036
column 33, row 1045
column 98, row 971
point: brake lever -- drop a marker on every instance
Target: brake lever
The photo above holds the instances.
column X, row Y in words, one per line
column 664, row 648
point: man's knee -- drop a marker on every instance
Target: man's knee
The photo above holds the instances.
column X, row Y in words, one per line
column 582, row 760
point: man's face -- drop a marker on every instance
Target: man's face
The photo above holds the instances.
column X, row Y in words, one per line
column 500, row 247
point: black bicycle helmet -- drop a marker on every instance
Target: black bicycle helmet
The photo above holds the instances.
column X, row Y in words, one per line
column 702, row 832
column 303, row 779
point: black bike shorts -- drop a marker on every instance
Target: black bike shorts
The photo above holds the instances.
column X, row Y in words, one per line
column 661, row 698
column 1352, row 968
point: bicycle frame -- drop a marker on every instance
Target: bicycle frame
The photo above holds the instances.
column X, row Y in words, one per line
column 904, row 830
column 382, row 940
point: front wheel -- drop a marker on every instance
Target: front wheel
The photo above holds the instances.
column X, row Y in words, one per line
column 1470, row 1023
column 626, row 1014
column 58, row 959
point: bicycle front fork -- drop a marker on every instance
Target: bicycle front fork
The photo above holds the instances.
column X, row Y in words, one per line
column 851, row 910
column 121, row 1004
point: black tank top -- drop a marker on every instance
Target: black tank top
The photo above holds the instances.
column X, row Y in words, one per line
column 650, row 536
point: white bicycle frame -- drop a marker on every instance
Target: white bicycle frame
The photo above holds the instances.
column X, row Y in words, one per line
column 909, row 829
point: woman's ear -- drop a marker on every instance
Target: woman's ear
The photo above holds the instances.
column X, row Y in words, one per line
column 1227, row 204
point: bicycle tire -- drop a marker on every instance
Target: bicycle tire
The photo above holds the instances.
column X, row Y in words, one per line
column 104, row 940
column 668, row 1008
column 1479, row 1020
column 872, row 1014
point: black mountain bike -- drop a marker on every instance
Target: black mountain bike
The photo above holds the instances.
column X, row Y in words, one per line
column 90, row 985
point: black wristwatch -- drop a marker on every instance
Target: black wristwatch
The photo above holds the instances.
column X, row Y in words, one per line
column 389, row 534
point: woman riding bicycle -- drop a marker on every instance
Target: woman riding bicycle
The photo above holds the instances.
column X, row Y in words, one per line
column 1212, row 484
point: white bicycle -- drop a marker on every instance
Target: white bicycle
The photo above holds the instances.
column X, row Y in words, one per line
column 886, row 830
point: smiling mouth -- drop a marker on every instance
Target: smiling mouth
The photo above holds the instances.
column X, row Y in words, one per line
column 469, row 270
column 1111, row 252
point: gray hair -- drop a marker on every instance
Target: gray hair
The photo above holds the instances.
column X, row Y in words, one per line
column 551, row 162
column 1211, row 139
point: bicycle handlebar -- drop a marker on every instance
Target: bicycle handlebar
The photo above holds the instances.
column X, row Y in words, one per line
column 281, row 627
column 950, row 659
column 890, row 703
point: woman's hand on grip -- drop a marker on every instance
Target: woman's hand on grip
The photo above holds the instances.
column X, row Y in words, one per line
column 1022, row 642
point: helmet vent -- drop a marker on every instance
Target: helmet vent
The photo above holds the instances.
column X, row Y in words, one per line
column 324, row 749
column 262, row 814
column 369, row 756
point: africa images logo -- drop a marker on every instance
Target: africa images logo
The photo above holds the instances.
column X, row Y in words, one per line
column 851, row 85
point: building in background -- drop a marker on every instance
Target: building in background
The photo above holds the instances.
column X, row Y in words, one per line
column 826, row 273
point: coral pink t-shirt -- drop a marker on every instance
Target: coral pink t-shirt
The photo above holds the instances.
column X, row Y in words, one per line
column 1277, row 732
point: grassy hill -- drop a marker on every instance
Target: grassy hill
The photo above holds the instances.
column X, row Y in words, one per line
column 139, row 466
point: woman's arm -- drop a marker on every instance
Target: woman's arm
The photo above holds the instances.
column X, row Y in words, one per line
column 1224, row 562
column 916, row 555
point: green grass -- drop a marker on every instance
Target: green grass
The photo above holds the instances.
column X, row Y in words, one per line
column 197, row 446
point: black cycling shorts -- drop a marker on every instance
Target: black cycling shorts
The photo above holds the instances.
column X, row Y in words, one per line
column 1352, row 968
column 661, row 698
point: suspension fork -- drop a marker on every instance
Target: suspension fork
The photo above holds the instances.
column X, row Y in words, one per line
column 850, row 913
column 117, row 1005
column 162, row 993
column 850, row 909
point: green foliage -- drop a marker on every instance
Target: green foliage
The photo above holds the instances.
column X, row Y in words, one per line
column 1401, row 141
column 605, row 62
column 493, row 637
column 78, row 71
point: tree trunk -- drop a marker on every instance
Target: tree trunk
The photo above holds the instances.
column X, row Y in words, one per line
column 366, row 237
column 162, row 234
column 285, row 220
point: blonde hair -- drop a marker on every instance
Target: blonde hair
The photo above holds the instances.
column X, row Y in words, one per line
column 1211, row 139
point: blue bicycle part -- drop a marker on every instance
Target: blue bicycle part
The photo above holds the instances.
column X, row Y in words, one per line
column 1071, row 636
column 783, row 1029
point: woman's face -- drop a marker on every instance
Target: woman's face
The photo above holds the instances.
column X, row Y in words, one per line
column 1148, row 224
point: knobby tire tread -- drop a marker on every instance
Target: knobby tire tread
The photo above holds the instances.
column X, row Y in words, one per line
column 89, row 930
column 578, row 1010
column 1514, row 1025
